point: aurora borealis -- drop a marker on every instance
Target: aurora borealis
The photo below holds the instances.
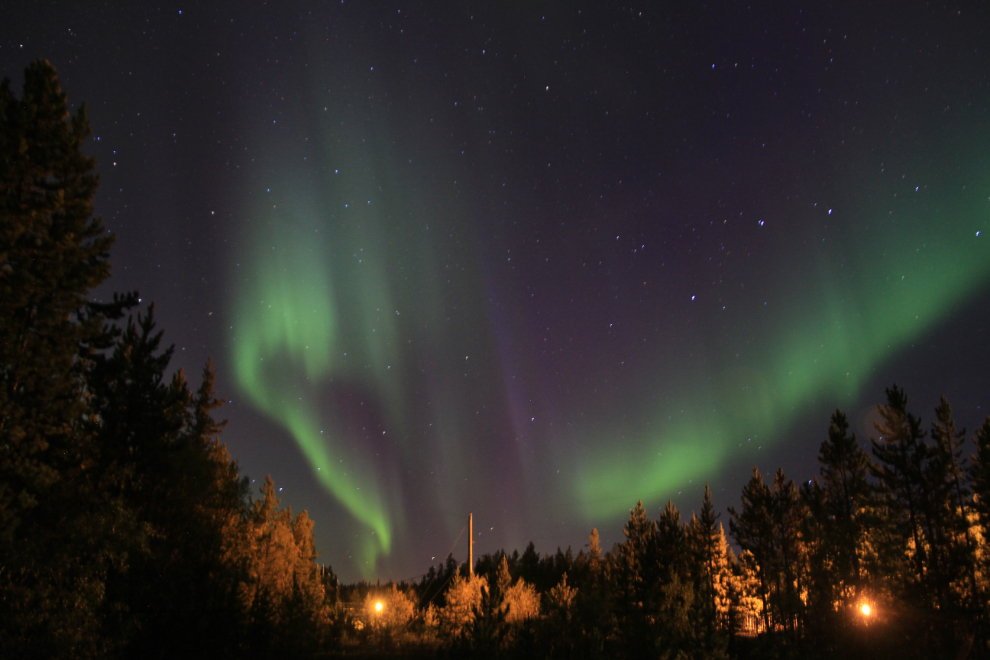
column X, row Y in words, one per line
column 539, row 261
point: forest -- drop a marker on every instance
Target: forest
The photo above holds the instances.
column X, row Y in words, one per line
column 126, row 529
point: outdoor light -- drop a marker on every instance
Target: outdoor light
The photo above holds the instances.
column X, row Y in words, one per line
column 865, row 609
column 378, row 606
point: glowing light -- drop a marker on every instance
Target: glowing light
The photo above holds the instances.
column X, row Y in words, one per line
column 378, row 606
column 865, row 609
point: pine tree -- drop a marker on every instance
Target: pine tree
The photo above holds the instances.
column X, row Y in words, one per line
column 844, row 474
column 633, row 553
column 59, row 531
column 918, row 493
column 281, row 593
column 709, row 568
column 900, row 455
column 838, row 502
column 950, row 495
column 979, row 475
column 594, row 549
column 787, row 513
column 704, row 542
column 666, row 553
column 753, row 530
column 632, row 597
column 160, row 453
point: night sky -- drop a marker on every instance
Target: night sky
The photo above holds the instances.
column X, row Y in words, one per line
column 538, row 260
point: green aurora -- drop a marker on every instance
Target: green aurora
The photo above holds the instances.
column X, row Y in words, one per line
column 367, row 271
column 287, row 346
column 293, row 338
column 885, row 288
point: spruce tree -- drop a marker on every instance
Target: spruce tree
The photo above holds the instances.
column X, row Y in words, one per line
column 59, row 530
column 159, row 442
column 979, row 473
column 844, row 476
column 901, row 454
column 950, row 495
column 753, row 529
column 917, row 493
column 708, row 563
column 787, row 514
column 838, row 504
column 633, row 591
column 666, row 552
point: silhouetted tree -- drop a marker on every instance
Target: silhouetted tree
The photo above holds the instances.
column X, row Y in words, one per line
column 59, row 530
column 838, row 503
column 752, row 528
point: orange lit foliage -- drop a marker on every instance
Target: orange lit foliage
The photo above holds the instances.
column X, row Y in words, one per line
column 398, row 609
column 463, row 596
column 281, row 588
column 561, row 597
column 520, row 600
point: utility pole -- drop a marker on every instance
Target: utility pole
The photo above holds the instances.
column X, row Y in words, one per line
column 471, row 544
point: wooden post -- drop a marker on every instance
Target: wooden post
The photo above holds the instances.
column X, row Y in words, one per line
column 471, row 544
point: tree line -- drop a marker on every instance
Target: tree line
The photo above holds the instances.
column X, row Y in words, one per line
column 127, row 531
column 882, row 554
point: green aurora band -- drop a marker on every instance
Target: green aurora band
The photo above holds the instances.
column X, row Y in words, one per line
column 884, row 289
column 286, row 346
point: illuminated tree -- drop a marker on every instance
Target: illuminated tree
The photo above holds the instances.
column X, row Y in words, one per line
column 520, row 600
column 788, row 513
column 979, row 473
column 917, row 493
column 281, row 593
column 950, row 501
column 389, row 611
column 463, row 597
column 711, row 574
column 561, row 597
column 752, row 527
column 835, row 532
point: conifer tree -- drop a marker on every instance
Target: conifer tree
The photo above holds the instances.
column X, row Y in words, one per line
column 59, row 532
column 900, row 455
column 979, row 473
column 666, row 553
column 950, row 495
column 752, row 527
column 846, row 489
column 787, row 513
column 705, row 546
column 709, row 567
column 594, row 549
column 835, row 533
column 633, row 553
column 632, row 596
